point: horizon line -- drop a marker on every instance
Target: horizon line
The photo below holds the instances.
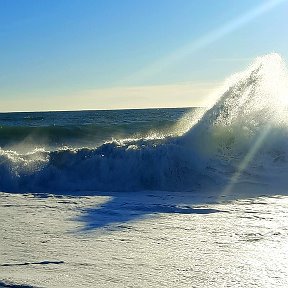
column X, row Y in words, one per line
column 113, row 109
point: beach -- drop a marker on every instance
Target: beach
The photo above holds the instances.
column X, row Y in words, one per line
column 148, row 240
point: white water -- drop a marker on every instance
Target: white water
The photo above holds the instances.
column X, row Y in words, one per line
column 241, row 243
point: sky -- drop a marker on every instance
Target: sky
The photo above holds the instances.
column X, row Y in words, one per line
column 117, row 54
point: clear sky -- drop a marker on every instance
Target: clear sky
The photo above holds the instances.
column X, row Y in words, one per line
column 107, row 54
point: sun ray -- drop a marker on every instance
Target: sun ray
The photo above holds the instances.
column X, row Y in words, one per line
column 247, row 159
column 202, row 42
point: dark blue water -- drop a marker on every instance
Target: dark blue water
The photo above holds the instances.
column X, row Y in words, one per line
column 84, row 128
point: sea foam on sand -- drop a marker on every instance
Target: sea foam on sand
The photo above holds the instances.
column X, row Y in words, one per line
column 143, row 240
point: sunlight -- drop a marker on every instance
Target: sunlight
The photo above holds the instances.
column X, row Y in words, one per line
column 126, row 157
column 268, row 106
column 245, row 162
column 186, row 50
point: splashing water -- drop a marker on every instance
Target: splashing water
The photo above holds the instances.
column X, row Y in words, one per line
column 242, row 137
column 255, row 100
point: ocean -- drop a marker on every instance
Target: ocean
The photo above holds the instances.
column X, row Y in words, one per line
column 59, row 151
column 79, row 129
column 184, row 197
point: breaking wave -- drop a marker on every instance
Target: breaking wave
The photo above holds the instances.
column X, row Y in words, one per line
column 243, row 137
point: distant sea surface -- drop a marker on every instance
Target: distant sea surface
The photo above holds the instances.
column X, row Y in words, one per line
column 25, row 130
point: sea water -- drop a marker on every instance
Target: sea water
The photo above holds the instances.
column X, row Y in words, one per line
column 192, row 197
column 41, row 149
column 78, row 129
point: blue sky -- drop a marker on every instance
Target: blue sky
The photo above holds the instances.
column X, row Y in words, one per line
column 108, row 54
